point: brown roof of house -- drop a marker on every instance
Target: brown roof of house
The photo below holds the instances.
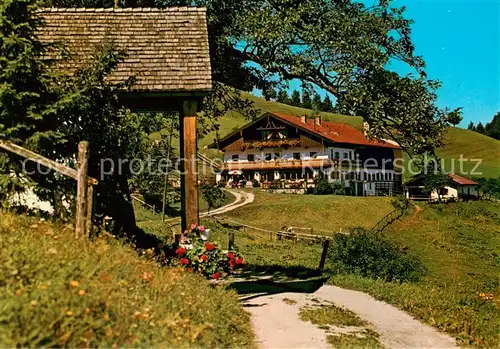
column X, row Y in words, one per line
column 461, row 180
column 167, row 49
column 336, row 132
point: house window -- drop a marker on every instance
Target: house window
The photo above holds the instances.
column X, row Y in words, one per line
column 251, row 157
column 235, row 157
column 313, row 154
column 277, row 156
column 337, row 155
column 346, row 155
column 268, row 156
column 296, row 156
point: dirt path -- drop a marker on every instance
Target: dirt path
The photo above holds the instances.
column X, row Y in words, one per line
column 242, row 198
column 277, row 323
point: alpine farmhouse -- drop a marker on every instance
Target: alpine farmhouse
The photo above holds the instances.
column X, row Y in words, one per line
column 290, row 151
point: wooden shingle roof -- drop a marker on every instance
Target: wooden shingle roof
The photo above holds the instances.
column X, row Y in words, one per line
column 167, row 49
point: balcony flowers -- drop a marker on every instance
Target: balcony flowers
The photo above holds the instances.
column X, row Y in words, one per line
column 198, row 255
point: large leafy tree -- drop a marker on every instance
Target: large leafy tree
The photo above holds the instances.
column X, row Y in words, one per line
column 341, row 46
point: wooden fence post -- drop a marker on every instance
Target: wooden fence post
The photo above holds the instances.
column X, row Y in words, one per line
column 82, row 185
column 230, row 243
column 90, row 208
column 326, row 243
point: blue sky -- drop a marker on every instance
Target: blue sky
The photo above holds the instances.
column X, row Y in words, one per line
column 460, row 42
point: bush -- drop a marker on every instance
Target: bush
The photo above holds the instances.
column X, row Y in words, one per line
column 255, row 183
column 338, row 188
column 213, row 195
column 322, row 187
column 56, row 291
column 400, row 203
column 371, row 255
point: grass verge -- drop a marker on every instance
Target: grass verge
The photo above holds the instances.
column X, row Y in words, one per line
column 56, row 291
column 330, row 314
column 366, row 340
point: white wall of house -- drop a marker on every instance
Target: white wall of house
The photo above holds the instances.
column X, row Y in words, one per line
column 451, row 193
column 288, row 154
column 457, row 192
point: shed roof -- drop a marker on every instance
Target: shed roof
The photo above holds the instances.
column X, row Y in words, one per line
column 461, row 180
column 167, row 49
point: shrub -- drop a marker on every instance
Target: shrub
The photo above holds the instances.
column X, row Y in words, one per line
column 322, row 186
column 338, row 188
column 371, row 255
column 400, row 203
column 255, row 183
column 213, row 195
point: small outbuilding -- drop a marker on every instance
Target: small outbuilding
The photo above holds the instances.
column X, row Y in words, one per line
column 460, row 189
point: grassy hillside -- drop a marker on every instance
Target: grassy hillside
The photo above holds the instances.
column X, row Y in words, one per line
column 458, row 243
column 472, row 145
column 458, row 141
column 328, row 213
column 58, row 292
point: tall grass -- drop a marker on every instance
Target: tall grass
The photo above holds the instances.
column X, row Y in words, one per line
column 58, row 292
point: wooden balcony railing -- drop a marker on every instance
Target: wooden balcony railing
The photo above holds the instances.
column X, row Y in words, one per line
column 281, row 164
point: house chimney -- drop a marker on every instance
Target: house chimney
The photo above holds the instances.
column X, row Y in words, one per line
column 303, row 119
column 317, row 119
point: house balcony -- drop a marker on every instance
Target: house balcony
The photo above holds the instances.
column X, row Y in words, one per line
column 282, row 164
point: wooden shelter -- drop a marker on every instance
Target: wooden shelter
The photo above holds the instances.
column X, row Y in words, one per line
column 167, row 53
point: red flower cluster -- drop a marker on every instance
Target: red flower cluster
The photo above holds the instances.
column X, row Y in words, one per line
column 210, row 246
column 184, row 261
column 216, row 275
column 203, row 258
column 234, row 261
column 181, row 251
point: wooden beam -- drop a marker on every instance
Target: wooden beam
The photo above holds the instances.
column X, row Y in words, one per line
column 189, row 178
column 82, row 189
column 90, row 209
column 28, row 154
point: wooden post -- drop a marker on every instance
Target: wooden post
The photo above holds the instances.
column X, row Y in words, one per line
column 230, row 243
column 189, row 178
column 90, row 207
column 326, row 243
column 271, row 235
column 82, row 185
column 177, row 239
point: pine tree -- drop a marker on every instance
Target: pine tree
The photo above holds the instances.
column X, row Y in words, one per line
column 471, row 126
column 492, row 128
column 480, row 128
column 295, row 100
column 24, row 88
column 327, row 104
column 283, row 97
column 306, row 101
column 23, row 83
column 317, row 103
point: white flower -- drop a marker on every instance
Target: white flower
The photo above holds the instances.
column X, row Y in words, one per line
column 204, row 235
